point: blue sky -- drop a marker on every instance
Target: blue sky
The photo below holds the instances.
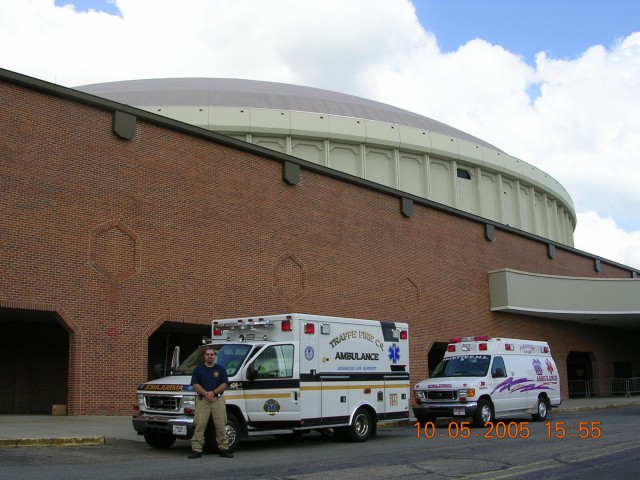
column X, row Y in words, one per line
column 562, row 28
column 85, row 5
column 571, row 112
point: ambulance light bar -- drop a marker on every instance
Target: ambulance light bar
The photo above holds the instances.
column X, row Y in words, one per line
column 466, row 348
column 250, row 324
column 477, row 338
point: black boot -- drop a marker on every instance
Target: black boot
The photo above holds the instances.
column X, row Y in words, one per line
column 226, row 454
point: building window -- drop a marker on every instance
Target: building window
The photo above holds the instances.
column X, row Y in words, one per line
column 462, row 173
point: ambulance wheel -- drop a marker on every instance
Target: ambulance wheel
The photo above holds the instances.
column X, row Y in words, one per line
column 542, row 410
column 362, row 427
column 484, row 413
column 159, row 440
column 424, row 419
column 233, row 432
column 233, row 435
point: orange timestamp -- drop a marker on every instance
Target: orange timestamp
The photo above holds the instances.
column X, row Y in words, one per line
column 502, row 430
column 573, row 429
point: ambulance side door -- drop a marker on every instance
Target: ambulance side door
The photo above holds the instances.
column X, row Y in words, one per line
column 502, row 397
column 272, row 388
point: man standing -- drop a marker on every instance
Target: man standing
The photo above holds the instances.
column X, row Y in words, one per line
column 210, row 380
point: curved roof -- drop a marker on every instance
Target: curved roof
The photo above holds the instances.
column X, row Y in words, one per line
column 229, row 92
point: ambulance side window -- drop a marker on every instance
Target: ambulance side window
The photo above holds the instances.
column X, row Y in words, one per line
column 275, row 362
column 498, row 369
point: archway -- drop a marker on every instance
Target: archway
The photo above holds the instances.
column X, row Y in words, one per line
column 436, row 354
column 162, row 342
column 34, row 349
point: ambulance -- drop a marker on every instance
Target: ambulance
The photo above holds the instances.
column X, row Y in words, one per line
column 487, row 378
column 289, row 374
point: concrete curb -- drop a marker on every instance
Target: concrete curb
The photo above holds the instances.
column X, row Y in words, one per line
column 53, row 442
column 587, row 408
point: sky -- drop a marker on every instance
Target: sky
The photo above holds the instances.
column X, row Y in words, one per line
column 555, row 83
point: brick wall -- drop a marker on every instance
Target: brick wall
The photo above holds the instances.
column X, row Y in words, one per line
column 119, row 236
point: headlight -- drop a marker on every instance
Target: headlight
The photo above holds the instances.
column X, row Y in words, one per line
column 140, row 399
column 466, row 393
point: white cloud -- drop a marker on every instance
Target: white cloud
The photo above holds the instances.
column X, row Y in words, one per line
column 583, row 128
column 601, row 236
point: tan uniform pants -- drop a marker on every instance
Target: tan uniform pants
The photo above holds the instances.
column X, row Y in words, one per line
column 218, row 411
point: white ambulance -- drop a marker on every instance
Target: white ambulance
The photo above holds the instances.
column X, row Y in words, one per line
column 487, row 378
column 289, row 374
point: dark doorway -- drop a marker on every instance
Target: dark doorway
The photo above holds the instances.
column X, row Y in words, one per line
column 579, row 374
column 34, row 351
column 163, row 341
column 436, row 354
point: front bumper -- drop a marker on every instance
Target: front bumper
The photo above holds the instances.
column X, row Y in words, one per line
column 451, row 409
column 181, row 426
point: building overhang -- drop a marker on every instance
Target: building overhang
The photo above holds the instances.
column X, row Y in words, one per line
column 610, row 302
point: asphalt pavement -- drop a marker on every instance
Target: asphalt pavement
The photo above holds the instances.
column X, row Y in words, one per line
column 49, row 430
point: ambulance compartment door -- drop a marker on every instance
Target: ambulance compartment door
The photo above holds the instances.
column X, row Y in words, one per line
column 334, row 399
column 396, row 396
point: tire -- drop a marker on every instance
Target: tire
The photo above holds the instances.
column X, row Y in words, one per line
column 424, row 419
column 210, row 443
column 484, row 414
column 233, row 432
column 362, row 426
column 233, row 435
column 542, row 410
column 159, row 440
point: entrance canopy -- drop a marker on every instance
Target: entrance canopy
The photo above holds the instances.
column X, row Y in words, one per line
column 611, row 302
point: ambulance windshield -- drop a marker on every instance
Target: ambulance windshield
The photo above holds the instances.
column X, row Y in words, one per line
column 463, row 366
column 229, row 356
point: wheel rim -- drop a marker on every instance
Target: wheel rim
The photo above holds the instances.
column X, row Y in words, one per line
column 486, row 413
column 542, row 409
column 361, row 425
column 231, row 434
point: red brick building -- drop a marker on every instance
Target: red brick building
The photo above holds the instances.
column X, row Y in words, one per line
column 125, row 233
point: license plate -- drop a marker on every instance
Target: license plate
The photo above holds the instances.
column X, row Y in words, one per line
column 456, row 411
column 179, row 430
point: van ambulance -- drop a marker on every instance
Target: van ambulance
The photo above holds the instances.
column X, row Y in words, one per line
column 487, row 378
column 289, row 374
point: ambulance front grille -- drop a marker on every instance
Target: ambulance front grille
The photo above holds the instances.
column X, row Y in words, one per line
column 442, row 395
column 162, row 402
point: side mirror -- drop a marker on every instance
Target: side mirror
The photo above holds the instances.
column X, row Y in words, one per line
column 251, row 372
column 175, row 358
